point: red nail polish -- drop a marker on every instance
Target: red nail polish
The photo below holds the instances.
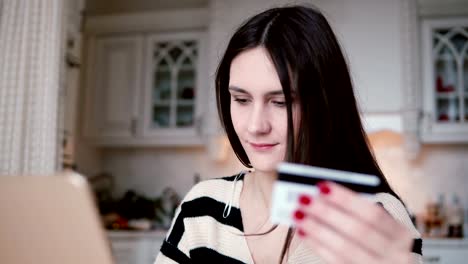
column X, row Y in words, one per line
column 301, row 232
column 305, row 199
column 324, row 188
column 299, row 215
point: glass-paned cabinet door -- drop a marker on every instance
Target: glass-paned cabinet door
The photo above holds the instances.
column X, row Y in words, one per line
column 173, row 84
column 451, row 74
column 446, row 76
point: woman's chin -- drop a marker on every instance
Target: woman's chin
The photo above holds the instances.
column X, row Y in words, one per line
column 265, row 167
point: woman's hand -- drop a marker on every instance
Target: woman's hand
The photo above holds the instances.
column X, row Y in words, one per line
column 341, row 226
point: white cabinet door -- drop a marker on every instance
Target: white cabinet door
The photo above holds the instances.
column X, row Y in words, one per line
column 129, row 248
column 174, row 86
column 445, row 251
column 114, row 67
column 126, row 250
column 446, row 255
column 445, row 82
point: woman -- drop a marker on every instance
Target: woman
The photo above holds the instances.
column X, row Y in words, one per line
column 284, row 93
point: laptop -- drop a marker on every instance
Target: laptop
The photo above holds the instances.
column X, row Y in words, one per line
column 50, row 219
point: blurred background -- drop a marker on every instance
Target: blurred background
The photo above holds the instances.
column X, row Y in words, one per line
column 124, row 94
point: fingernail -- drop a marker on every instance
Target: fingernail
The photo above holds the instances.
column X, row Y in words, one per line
column 299, row 215
column 305, row 199
column 324, row 188
column 301, row 232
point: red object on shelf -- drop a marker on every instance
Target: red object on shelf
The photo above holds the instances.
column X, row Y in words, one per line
column 449, row 88
column 441, row 88
column 439, row 84
column 443, row 117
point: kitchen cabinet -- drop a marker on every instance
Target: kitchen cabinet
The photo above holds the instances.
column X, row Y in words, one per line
column 114, row 66
column 130, row 247
column 145, row 83
column 445, row 80
column 445, row 251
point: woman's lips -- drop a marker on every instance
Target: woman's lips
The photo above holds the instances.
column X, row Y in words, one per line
column 262, row 146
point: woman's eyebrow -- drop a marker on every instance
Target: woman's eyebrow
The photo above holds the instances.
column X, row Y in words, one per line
column 240, row 90
column 278, row 92
column 237, row 89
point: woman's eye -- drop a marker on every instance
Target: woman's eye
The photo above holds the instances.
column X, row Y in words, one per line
column 279, row 103
column 241, row 100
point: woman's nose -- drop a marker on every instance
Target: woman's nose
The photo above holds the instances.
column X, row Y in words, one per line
column 259, row 122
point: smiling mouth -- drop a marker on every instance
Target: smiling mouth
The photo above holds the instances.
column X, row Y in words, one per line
column 262, row 146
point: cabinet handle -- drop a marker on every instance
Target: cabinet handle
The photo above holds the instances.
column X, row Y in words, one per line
column 431, row 120
column 432, row 259
column 198, row 124
column 133, row 126
column 427, row 120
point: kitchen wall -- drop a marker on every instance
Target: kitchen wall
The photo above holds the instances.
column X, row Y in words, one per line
column 369, row 31
column 151, row 170
column 438, row 169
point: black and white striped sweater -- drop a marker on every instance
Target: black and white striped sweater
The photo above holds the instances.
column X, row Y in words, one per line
column 200, row 234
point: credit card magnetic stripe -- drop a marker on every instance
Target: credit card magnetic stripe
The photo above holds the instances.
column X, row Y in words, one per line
column 303, row 174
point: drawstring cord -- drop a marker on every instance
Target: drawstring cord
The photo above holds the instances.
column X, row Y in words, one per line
column 227, row 207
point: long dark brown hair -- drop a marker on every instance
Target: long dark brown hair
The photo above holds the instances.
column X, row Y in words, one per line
column 310, row 62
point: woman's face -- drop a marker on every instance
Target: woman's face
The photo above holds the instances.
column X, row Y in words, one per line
column 258, row 108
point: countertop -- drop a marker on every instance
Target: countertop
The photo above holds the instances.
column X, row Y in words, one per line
column 445, row 242
column 158, row 234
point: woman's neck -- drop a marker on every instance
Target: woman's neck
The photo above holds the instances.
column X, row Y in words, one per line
column 261, row 185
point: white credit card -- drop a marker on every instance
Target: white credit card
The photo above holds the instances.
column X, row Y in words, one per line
column 297, row 179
